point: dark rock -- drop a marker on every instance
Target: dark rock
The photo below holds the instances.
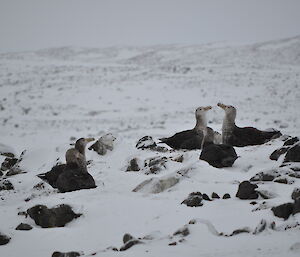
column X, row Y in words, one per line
column 156, row 161
column 155, row 164
column 293, row 154
column 133, row 165
column 296, row 193
column 112, row 248
column 296, row 206
column 173, row 243
column 253, row 203
column 260, row 227
column 278, row 152
column 283, row 210
column 39, row 186
column 130, row 243
column 160, row 149
column 8, row 163
column 226, row 196
column 103, row 144
column 294, row 175
column 7, row 154
column 281, row 180
column 4, row 239
column 6, row 185
column 262, row 176
column 291, row 141
column 215, row 196
column 182, row 231
column 23, row 213
column 74, row 179
column 127, row 237
column 246, row 191
column 67, row 254
column 295, row 169
column 219, row 155
column 206, row 197
column 55, row 217
column 23, row 226
column 1, row 173
column 178, row 158
column 15, row 170
column 145, row 142
column 239, row 231
column 194, row 200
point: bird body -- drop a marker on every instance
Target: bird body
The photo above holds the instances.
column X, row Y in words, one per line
column 73, row 175
column 189, row 139
column 236, row 136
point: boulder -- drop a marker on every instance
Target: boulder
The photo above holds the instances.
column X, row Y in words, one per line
column 6, row 185
column 293, row 154
column 206, row 197
column 296, row 208
column 8, row 163
column 291, row 141
column 240, row 231
column 281, row 180
column 246, row 191
column 127, row 237
column 278, row 152
column 265, row 176
column 67, row 254
column 129, row 241
column 133, row 165
column 184, row 231
column 155, row 164
column 226, row 196
column 4, row 239
column 283, row 210
column 23, row 226
column 193, row 200
column 260, row 227
column 215, row 196
column 54, row 217
column 103, row 144
column 145, row 142
column 296, row 193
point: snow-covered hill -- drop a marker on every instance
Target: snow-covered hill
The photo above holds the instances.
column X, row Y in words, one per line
column 49, row 97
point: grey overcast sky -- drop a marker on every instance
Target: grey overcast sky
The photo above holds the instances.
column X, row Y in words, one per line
column 36, row 24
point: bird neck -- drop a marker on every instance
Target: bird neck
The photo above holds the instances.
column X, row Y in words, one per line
column 201, row 123
column 227, row 127
column 80, row 148
column 208, row 137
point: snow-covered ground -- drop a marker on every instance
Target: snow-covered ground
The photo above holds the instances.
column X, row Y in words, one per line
column 49, row 97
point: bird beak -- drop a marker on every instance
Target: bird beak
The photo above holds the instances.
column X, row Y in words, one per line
column 89, row 139
column 207, row 108
column 221, row 105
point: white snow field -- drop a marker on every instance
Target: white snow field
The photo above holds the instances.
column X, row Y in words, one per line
column 50, row 97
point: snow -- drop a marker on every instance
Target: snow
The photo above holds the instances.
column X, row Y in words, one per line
column 49, row 96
